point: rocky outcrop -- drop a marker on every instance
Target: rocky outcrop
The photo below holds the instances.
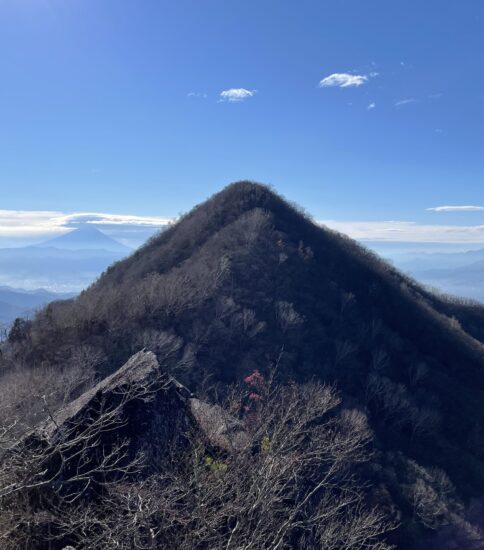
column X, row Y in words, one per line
column 137, row 412
column 139, row 377
column 132, row 421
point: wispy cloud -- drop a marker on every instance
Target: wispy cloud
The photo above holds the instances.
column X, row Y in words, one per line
column 24, row 223
column 467, row 208
column 402, row 231
column 344, row 80
column 39, row 225
column 200, row 95
column 71, row 220
column 408, row 101
column 371, row 106
column 234, row 95
column 26, row 227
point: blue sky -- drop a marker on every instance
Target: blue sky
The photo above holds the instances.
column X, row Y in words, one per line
column 118, row 106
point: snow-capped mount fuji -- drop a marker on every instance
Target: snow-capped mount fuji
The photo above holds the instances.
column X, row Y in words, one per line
column 67, row 263
column 86, row 237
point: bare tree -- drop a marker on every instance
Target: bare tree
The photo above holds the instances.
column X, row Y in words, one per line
column 293, row 484
column 289, row 480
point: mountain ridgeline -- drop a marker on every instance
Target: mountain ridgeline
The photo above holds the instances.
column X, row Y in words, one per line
column 247, row 282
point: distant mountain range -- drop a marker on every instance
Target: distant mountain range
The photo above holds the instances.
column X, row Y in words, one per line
column 71, row 262
column 59, row 268
column 16, row 302
column 459, row 273
column 67, row 263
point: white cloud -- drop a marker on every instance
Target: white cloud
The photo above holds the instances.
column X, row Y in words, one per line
column 343, row 80
column 456, row 209
column 39, row 225
column 402, row 231
column 402, row 102
column 236, row 94
column 96, row 218
column 371, row 106
column 27, row 223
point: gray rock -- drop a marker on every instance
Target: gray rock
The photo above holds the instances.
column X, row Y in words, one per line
column 138, row 407
column 221, row 429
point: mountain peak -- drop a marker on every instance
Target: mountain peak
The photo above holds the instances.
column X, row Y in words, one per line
column 85, row 237
column 245, row 195
column 248, row 190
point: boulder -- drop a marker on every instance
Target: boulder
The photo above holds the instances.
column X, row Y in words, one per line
column 221, row 430
column 136, row 412
column 133, row 421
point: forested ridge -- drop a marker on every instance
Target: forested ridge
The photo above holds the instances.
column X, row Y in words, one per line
column 247, row 283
